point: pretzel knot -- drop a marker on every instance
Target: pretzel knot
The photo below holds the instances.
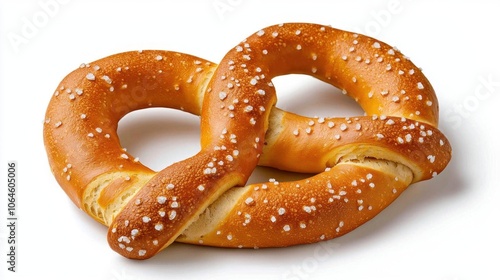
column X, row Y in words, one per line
column 362, row 163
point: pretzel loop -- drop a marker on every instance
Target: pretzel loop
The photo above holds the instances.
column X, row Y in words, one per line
column 363, row 163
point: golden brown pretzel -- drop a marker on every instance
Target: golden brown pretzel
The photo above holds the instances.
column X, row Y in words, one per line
column 363, row 162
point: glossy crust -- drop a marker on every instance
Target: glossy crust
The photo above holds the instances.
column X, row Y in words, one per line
column 364, row 162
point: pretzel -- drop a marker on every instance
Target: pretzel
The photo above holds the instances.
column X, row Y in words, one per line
column 362, row 163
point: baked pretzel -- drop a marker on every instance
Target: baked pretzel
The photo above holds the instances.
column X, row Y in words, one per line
column 363, row 163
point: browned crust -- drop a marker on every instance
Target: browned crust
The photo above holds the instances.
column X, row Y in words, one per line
column 396, row 144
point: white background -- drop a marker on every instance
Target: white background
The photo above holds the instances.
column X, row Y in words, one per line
column 446, row 228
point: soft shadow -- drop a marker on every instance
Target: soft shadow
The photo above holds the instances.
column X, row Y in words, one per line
column 448, row 186
column 262, row 174
column 160, row 136
column 413, row 201
column 137, row 134
column 305, row 95
column 421, row 195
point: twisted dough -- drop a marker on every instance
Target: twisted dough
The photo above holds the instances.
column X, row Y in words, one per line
column 364, row 162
